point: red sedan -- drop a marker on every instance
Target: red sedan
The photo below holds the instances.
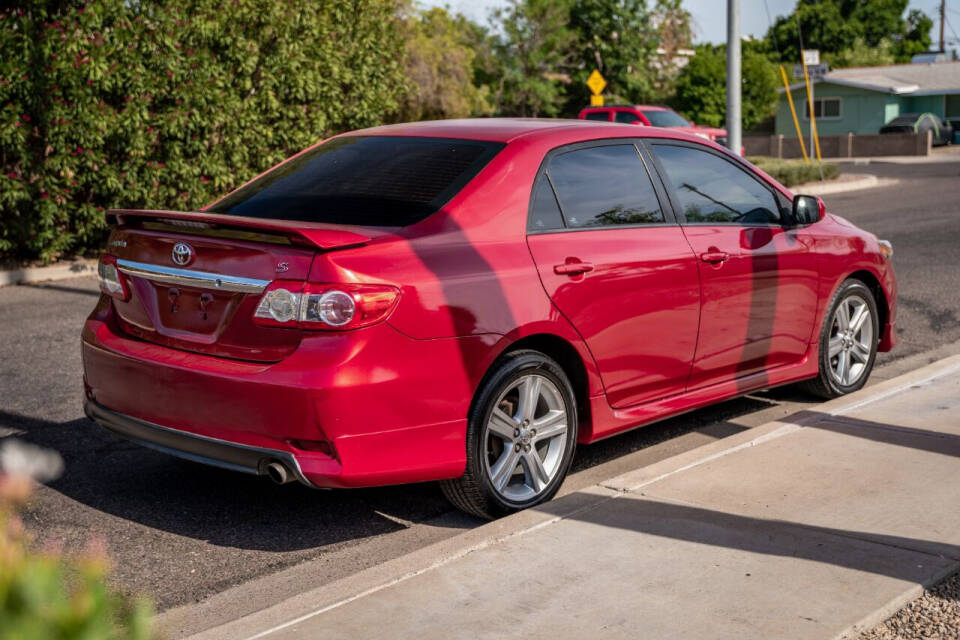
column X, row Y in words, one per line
column 465, row 301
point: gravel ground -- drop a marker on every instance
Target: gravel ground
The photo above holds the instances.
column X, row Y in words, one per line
column 933, row 616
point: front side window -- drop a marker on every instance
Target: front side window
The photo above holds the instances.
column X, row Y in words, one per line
column 363, row 180
column 710, row 189
column 601, row 186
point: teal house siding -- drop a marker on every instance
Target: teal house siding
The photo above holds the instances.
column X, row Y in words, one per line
column 861, row 111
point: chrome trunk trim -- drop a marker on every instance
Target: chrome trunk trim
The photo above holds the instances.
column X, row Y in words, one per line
column 190, row 278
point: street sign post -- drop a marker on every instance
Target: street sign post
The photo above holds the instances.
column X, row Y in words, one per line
column 596, row 83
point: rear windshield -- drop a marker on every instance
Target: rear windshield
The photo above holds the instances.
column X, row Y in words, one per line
column 372, row 181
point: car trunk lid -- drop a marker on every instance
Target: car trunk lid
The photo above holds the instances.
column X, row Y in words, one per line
column 195, row 279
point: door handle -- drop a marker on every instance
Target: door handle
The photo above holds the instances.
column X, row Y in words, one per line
column 572, row 268
column 714, row 257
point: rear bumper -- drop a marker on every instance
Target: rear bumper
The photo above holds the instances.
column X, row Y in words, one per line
column 392, row 409
column 197, row 448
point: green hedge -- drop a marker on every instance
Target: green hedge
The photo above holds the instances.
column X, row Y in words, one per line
column 159, row 104
column 794, row 172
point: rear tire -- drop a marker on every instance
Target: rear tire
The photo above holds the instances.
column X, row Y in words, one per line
column 521, row 436
column 848, row 342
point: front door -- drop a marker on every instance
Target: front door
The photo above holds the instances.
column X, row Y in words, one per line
column 758, row 279
column 619, row 269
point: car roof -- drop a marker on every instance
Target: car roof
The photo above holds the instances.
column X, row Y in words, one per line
column 509, row 129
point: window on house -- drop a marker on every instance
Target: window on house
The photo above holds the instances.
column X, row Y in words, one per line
column 823, row 108
column 953, row 106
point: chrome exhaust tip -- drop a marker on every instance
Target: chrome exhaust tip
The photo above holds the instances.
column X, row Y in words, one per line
column 278, row 472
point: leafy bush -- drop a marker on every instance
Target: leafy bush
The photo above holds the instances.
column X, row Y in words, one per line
column 162, row 104
column 701, row 90
column 794, row 172
column 48, row 595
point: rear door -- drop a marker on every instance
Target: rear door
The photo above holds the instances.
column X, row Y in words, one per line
column 759, row 279
column 617, row 267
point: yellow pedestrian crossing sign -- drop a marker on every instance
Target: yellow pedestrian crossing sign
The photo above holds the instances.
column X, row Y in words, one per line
column 596, row 82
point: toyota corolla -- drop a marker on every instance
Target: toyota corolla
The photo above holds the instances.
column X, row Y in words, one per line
column 465, row 301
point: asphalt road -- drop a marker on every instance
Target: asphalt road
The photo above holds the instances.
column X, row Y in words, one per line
column 182, row 532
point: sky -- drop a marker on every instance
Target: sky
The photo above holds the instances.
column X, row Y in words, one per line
column 709, row 16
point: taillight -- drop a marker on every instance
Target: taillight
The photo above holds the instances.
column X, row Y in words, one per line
column 329, row 307
column 111, row 282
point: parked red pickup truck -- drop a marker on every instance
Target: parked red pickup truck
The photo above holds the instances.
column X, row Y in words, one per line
column 652, row 116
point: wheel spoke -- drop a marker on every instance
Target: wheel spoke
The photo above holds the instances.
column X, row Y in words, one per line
column 836, row 346
column 502, row 425
column 551, row 425
column 861, row 352
column 843, row 315
column 529, row 397
column 843, row 366
column 859, row 316
column 537, row 476
column 503, row 469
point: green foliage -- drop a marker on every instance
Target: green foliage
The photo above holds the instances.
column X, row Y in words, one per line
column 863, row 55
column 617, row 38
column 701, row 87
column 163, row 104
column 48, row 595
column 834, row 26
column 535, row 52
column 794, row 172
column 439, row 63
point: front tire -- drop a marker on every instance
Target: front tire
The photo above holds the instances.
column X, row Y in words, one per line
column 521, row 436
column 848, row 342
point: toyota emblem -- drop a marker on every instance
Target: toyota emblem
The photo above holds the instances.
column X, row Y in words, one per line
column 182, row 253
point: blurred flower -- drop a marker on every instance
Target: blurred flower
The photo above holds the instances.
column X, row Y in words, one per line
column 18, row 458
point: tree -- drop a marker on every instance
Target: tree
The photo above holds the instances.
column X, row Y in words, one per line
column 674, row 34
column 618, row 38
column 701, row 87
column 439, row 65
column 535, row 53
column 862, row 55
column 833, row 26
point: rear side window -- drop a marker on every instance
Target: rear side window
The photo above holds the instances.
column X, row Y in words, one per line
column 545, row 212
column 597, row 115
column 376, row 181
column 600, row 186
column 625, row 117
column 710, row 189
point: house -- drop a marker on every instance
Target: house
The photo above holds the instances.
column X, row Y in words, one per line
column 860, row 100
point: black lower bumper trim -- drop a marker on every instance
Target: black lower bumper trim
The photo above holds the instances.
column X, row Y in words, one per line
column 190, row 446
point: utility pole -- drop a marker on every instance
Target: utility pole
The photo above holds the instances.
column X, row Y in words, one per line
column 734, row 135
column 943, row 21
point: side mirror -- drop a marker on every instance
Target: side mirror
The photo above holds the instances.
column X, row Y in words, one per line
column 808, row 209
column 637, row 122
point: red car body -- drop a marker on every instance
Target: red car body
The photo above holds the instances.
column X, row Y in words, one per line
column 652, row 116
column 644, row 324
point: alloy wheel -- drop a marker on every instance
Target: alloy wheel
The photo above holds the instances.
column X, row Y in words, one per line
column 525, row 438
column 851, row 342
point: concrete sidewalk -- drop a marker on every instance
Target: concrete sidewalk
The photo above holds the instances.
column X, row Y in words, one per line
column 813, row 527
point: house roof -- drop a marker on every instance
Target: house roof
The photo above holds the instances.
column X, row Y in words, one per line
column 899, row 79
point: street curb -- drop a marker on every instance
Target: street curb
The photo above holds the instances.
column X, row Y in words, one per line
column 59, row 271
column 340, row 592
column 895, row 604
column 865, row 181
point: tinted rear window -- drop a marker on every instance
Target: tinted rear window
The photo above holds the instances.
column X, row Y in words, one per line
column 375, row 181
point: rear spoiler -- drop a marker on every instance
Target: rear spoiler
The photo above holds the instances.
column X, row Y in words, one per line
column 311, row 234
